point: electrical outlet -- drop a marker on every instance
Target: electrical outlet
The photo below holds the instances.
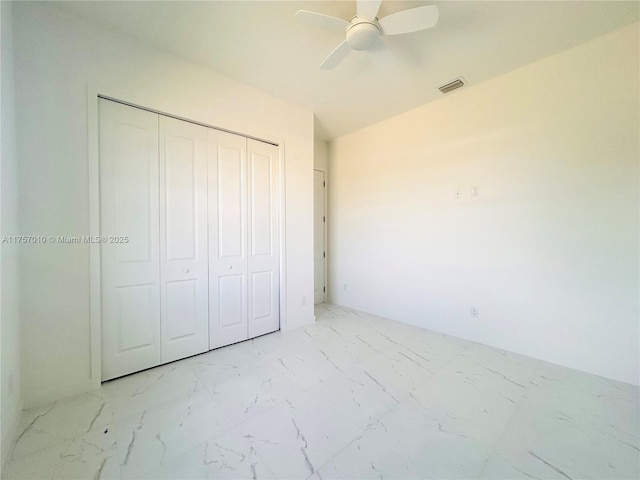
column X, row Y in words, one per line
column 474, row 312
column 458, row 193
column 345, row 287
column 475, row 191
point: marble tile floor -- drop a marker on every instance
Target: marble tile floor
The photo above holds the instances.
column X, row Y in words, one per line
column 352, row 396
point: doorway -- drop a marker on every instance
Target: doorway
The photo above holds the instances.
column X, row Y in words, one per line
column 319, row 233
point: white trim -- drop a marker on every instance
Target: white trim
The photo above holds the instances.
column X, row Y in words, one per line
column 284, row 325
column 95, row 298
column 326, row 233
column 93, row 93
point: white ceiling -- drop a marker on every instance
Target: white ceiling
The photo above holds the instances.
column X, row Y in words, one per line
column 260, row 44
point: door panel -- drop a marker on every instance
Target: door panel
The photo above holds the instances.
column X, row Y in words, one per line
column 263, row 263
column 231, row 192
column 183, row 239
column 261, row 199
column 132, row 190
column 181, row 197
column 227, row 239
column 262, row 290
column 319, row 225
column 129, row 202
column 135, row 302
column 181, row 307
column 231, row 301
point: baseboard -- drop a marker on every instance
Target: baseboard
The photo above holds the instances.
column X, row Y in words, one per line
column 583, row 365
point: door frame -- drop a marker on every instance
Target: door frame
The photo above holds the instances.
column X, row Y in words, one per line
column 326, row 230
column 94, row 92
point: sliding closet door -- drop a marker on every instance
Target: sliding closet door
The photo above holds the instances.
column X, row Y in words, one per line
column 129, row 211
column 263, row 264
column 183, row 239
column 227, row 238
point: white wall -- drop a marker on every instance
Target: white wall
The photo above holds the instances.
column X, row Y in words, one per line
column 57, row 57
column 10, row 398
column 548, row 251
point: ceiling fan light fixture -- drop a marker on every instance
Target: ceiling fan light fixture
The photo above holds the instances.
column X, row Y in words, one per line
column 363, row 35
column 364, row 30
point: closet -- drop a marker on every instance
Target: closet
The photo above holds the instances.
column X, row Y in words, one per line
column 189, row 222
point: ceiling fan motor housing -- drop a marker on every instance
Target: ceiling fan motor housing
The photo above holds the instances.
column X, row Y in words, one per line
column 364, row 29
column 362, row 34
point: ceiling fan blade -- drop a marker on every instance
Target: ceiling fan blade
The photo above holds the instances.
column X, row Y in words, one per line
column 407, row 21
column 368, row 8
column 323, row 21
column 334, row 58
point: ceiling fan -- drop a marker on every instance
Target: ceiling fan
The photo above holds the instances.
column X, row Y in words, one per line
column 365, row 28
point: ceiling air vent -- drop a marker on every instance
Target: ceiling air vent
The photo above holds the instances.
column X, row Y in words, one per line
column 449, row 87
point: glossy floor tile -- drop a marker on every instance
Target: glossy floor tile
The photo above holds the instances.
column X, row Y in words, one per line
column 352, row 396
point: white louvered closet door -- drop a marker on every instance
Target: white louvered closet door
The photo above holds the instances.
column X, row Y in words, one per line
column 183, row 239
column 129, row 202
